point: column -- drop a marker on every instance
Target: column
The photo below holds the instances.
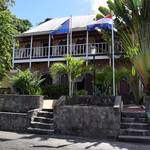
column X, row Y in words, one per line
column 87, row 46
column 13, row 57
column 49, row 49
column 31, row 43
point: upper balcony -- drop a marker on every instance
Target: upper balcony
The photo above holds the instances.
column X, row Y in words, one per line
column 58, row 52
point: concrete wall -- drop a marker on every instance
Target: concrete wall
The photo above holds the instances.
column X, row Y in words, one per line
column 19, row 103
column 16, row 111
column 14, row 121
column 92, row 121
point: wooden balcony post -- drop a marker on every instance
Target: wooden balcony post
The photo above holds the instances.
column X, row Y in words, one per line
column 14, row 47
column 67, row 44
column 49, row 49
column 31, row 43
column 87, row 46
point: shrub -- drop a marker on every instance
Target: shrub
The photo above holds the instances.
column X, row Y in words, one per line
column 55, row 91
column 81, row 93
column 27, row 83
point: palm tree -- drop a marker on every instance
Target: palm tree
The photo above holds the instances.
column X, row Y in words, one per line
column 74, row 68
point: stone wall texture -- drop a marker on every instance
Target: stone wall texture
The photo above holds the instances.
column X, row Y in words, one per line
column 147, row 103
column 16, row 111
column 92, row 121
column 19, row 103
column 18, row 122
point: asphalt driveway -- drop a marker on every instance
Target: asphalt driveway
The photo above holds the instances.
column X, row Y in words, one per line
column 17, row 141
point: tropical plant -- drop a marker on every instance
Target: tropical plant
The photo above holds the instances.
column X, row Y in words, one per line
column 142, row 64
column 81, row 93
column 104, row 79
column 27, row 83
column 74, row 68
column 132, row 19
column 55, row 91
column 10, row 26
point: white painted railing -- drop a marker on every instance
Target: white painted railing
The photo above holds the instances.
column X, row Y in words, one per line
column 22, row 53
column 58, row 51
column 62, row 50
column 39, row 52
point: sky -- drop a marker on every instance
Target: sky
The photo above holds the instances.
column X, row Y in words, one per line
column 38, row 10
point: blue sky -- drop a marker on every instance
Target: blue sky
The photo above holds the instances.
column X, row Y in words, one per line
column 38, row 10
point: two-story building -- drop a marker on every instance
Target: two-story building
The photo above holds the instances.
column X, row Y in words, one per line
column 38, row 49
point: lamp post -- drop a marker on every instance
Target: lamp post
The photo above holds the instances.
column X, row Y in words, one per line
column 93, row 51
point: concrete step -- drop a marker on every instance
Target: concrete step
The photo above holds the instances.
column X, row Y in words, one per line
column 134, row 132
column 134, row 114
column 48, row 110
column 129, row 138
column 45, row 114
column 143, row 126
column 40, row 131
column 42, row 125
column 43, row 120
column 134, row 120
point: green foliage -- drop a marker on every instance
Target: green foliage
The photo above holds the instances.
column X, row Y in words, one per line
column 7, row 31
column 142, row 64
column 104, row 10
column 81, row 93
column 27, row 83
column 104, row 79
column 2, row 71
column 58, row 69
column 47, row 19
column 4, row 4
column 55, row 91
column 133, row 24
column 74, row 68
column 9, row 27
column 22, row 25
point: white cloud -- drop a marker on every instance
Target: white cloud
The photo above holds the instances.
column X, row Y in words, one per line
column 96, row 3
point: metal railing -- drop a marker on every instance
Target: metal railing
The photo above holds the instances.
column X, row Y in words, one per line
column 62, row 50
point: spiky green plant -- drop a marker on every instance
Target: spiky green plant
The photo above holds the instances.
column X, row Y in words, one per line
column 132, row 20
column 27, row 83
column 104, row 78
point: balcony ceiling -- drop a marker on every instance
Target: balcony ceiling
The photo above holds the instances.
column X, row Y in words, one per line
column 79, row 23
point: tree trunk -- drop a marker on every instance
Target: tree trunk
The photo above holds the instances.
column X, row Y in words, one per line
column 70, row 84
column 72, row 87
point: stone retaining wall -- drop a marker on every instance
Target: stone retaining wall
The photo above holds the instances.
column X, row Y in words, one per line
column 16, row 111
column 19, row 103
column 92, row 121
column 14, row 121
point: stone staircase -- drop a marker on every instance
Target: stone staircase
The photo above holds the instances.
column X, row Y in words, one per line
column 134, row 127
column 42, row 123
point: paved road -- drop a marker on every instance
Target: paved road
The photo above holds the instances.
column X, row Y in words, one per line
column 15, row 141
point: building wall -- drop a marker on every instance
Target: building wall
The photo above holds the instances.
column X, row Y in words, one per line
column 39, row 40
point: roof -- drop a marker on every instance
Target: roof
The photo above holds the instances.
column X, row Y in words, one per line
column 79, row 23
